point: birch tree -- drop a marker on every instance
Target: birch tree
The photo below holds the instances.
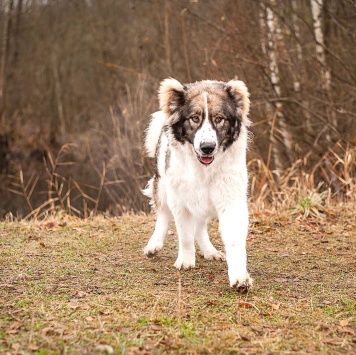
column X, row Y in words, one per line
column 300, row 72
column 317, row 10
column 269, row 47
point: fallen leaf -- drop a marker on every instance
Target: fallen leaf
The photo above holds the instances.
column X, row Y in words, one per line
column 89, row 318
column 257, row 330
column 104, row 348
column 346, row 330
column 15, row 325
column 156, row 327
column 105, row 311
column 42, row 245
column 46, row 330
column 33, row 346
column 6, row 286
column 280, row 279
column 334, row 341
column 211, row 303
column 245, row 337
column 123, row 330
column 12, row 331
column 245, row 305
column 344, row 323
column 59, row 331
column 16, row 346
column 275, row 306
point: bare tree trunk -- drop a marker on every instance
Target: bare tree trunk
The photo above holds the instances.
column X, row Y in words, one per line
column 58, row 98
column 16, row 34
column 7, row 6
column 270, row 25
column 185, row 49
column 317, row 8
column 300, row 69
column 167, row 42
column 273, row 149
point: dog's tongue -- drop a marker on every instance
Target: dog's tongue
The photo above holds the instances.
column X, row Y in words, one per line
column 206, row 160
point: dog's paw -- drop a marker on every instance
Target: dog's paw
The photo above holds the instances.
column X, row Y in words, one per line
column 242, row 284
column 151, row 250
column 184, row 264
column 216, row 255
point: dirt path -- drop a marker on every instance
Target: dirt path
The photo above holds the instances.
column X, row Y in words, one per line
column 75, row 287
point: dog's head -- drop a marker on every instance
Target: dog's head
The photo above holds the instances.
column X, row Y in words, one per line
column 207, row 114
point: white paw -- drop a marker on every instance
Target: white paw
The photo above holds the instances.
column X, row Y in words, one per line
column 184, row 263
column 242, row 283
column 152, row 249
column 215, row 255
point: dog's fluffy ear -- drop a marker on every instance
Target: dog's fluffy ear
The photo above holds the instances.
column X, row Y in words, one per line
column 238, row 91
column 171, row 95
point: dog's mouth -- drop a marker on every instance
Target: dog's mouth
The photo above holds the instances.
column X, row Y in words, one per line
column 205, row 160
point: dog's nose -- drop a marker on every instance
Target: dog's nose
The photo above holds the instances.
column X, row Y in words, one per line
column 207, row 147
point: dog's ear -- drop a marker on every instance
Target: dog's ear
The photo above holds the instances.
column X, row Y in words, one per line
column 238, row 91
column 171, row 96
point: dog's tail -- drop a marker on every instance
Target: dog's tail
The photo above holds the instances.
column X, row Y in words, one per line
column 154, row 132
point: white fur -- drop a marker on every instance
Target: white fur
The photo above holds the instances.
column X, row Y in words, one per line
column 194, row 193
column 153, row 133
column 206, row 134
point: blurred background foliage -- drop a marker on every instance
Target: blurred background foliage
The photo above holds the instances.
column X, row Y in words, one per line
column 78, row 81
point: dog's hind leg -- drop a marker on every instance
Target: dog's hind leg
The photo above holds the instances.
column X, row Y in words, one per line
column 207, row 249
column 158, row 237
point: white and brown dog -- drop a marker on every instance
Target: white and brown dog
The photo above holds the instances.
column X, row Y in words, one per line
column 199, row 141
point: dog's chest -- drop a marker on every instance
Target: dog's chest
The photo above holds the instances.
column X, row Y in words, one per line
column 193, row 189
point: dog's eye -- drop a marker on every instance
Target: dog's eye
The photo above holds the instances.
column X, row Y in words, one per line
column 195, row 119
column 218, row 119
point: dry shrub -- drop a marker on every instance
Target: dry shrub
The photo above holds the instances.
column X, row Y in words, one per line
column 305, row 188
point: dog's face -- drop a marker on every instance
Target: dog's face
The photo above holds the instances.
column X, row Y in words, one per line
column 207, row 114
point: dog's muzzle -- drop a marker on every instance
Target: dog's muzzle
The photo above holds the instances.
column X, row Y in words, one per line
column 207, row 149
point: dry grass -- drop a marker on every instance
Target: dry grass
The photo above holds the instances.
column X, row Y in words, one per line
column 306, row 186
column 304, row 190
column 83, row 286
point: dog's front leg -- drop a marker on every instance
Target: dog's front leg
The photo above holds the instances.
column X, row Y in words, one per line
column 185, row 230
column 233, row 225
column 155, row 244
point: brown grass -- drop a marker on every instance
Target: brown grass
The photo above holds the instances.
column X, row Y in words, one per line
column 300, row 187
column 84, row 286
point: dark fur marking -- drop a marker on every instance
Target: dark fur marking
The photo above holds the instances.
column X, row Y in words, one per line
column 227, row 132
column 177, row 100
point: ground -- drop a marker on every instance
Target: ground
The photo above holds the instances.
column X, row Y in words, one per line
column 80, row 287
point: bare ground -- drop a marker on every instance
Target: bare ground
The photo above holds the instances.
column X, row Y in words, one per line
column 80, row 287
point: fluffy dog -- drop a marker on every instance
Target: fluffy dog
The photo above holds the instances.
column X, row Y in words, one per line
column 199, row 141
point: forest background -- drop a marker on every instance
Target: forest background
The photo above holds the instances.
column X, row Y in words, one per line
column 79, row 80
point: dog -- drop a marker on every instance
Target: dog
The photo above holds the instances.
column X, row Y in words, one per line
column 199, row 141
